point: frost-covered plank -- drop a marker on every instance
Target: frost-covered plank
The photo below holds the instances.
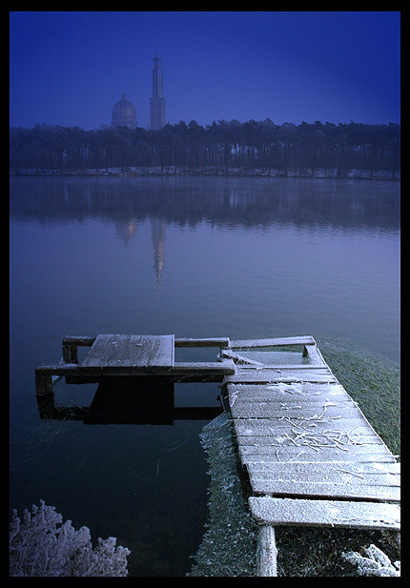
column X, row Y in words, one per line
column 131, row 350
column 275, row 342
column 248, row 366
column 289, row 453
column 270, row 376
column 300, row 438
column 313, row 352
column 380, row 474
column 203, row 342
column 355, row 426
column 324, row 489
column 265, row 409
column 310, row 391
column 278, row 403
column 207, row 368
column 239, row 359
column 325, row 513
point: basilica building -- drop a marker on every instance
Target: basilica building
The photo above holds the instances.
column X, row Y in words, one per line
column 124, row 113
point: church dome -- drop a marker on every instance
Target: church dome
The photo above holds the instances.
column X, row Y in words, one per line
column 124, row 114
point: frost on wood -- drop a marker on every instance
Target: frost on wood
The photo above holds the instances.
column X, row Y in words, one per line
column 372, row 562
column 42, row 545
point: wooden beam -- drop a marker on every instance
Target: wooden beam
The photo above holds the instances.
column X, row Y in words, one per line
column 216, row 368
column 342, row 491
column 270, row 376
column 325, row 513
column 276, row 342
column 222, row 342
column 203, row 367
column 266, row 552
column 314, row 355
column 71, row 344
column 44, row 383
column 84, row 341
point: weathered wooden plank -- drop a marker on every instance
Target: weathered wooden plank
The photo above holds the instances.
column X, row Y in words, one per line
column 248, row 367
column 160, row 350
column 279, row 403
column 296, row 411
column 268, row 427
column 310, row 439
column 358, row 453
column 70, row 345
column 206, row 367
column 239, row 359
column 379, row 474
column 270, row 376
column 324, row 490
column 194, row 369
column 313, row 352
column 131, row 350
column 287, row 398
column 222, row 342
column 274, row 342
column 296, row 390
column 325, row 513
column 80, row 340
column 78, row 371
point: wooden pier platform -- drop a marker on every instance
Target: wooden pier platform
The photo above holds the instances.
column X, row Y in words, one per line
column 312, row 457
column 131, row 355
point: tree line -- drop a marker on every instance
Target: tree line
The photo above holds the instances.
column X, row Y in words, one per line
column 219, row 146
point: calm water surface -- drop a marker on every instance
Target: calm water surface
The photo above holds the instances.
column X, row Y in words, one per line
column 195, row 257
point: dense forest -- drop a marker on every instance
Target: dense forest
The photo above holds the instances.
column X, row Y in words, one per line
column 219, row 147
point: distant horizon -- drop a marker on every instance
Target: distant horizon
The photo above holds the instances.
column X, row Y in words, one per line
column 69, row 68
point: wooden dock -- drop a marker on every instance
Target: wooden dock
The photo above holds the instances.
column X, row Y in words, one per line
column 131, row 355
column 311, row 456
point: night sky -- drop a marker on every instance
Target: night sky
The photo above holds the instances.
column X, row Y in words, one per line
column 70, row 68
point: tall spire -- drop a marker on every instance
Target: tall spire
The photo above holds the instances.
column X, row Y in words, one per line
column 157, row 102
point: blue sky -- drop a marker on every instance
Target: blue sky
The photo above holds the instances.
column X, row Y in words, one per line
column 69, row 68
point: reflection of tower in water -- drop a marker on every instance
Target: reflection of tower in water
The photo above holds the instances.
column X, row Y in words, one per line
column 126, row 229
column 158, row 240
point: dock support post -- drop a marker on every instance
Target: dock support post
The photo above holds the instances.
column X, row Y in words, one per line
column 44, row 383
column 70, row 353
column 266, row 553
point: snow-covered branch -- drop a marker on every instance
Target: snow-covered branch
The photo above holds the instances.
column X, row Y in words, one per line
column 42, row 545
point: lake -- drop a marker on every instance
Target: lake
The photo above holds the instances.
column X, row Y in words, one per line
column 192, row 256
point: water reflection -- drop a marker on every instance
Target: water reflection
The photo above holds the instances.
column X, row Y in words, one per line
column 132, row 401
column 158, row 228
column 219, row 201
